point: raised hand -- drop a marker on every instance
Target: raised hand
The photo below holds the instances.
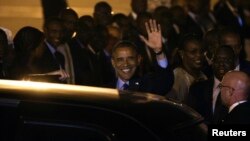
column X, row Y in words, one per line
column 154, row 40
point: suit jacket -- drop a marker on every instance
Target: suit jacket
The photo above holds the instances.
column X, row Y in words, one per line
column 239, row 115
column 193, row 27
column 200, row 98
column 83, row 64
column 160, row 81
column 245, row 66
column 225, row 17
column 46, row 62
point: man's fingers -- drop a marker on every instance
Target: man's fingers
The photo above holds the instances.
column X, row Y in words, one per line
column 154, row 25
column 147, row 27
column 159, row 28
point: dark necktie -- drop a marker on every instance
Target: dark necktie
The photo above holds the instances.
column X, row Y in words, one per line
column 59, row 58
column 125, row 86
column 220, row 110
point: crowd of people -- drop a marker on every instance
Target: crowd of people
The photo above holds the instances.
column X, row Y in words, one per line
column 192, row 54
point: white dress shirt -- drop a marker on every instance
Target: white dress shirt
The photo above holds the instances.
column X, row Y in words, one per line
column 216, row 91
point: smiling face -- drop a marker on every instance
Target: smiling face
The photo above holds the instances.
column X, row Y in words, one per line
column 192, row 55
column 125, row 61
column 54, row 33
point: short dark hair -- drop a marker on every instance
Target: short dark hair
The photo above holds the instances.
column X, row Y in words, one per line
column 227, row 49
column 188, row 38
column 52, row 20
column 228, row 30
column 102, row 4
column 123, row 44
column 67, row 11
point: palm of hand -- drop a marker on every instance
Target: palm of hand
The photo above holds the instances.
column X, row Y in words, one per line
column 155, row 40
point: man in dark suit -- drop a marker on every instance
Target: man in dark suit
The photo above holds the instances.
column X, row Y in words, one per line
column 229, row 13
column 231, row 37
column 125, row 60
column 47, row 58
column 235, row 95
column 204, row 96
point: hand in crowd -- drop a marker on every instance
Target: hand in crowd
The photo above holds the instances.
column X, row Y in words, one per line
column 63, row 74
column 154, row 40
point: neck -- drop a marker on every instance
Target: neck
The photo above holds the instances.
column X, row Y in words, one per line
column 194, row 72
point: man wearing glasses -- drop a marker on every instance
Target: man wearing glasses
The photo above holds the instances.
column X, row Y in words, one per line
column 235, row 90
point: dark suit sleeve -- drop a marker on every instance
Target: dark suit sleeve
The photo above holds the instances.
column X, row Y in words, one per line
column 160, row 81
column 192, row 98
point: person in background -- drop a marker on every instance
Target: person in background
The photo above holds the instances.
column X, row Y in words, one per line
column 137, row 6
column 3, row 48
column 25, row 41
column 204, row 96
column 189, row 69
column 46, row 58
column 235, row 96
column 69, row 19
column 102, row 14
column 230, row 36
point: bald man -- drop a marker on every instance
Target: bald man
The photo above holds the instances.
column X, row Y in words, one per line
column 235, row 95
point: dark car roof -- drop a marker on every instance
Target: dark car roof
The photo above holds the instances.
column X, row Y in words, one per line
column 153, row 112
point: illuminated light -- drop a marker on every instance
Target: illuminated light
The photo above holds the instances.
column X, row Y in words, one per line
column 112, row 12
column 64, row 89
column 74, row 34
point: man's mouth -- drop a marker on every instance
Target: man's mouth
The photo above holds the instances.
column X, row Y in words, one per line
column 126, row 70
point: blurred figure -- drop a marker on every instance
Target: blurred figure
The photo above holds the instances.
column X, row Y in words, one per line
column 193, row 24
column 125, row 26
column 3, row 48
column 46, row 57
column 230, row 36
column 102, row 13
column 137, row 6
column 8, row 55
column 179, row 17
column 69, row 18
column 169, row 35
column 211, row 43
column 235, row 95
column 84, row 55
column 26, row 41
column 204, row 96
column 229, row 13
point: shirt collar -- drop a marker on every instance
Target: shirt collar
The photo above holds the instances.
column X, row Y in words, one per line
column 216, row 83
column 235, row 104
column 237, row 67
column 120, row 84
column 51, row 48
column 192, row 15
column 134, row 15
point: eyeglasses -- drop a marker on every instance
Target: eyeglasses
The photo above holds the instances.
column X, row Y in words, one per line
column 223, row 86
